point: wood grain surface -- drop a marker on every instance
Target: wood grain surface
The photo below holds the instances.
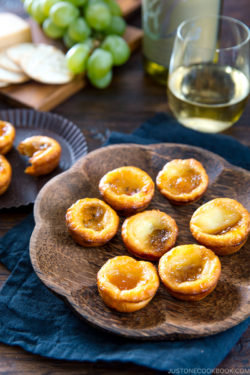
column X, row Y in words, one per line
column 129, row 101
column 70, row 270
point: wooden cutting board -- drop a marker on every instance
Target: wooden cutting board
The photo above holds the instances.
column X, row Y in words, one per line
column 46, row 97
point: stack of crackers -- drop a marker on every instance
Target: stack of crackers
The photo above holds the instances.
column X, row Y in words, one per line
column 40, row 62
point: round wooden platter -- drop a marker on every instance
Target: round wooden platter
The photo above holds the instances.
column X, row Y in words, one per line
column 70, row 270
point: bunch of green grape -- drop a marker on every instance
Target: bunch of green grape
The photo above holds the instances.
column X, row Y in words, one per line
column 92, row 31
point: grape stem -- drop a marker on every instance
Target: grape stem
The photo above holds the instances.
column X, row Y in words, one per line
column 96, row 44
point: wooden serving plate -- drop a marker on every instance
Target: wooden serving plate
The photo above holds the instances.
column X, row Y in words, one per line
column 70, row 270
column 46, row 97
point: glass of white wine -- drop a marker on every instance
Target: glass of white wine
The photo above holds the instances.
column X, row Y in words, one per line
column 208, row 83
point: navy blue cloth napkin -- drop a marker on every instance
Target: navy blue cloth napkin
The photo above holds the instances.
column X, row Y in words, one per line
column 34, row 318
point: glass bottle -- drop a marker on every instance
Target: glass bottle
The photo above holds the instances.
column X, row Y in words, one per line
column 160, row 20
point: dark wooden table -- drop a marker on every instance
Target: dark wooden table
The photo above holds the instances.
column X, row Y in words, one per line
column 131, row 99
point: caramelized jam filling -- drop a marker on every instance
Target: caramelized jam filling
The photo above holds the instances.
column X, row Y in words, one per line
column 119, row 189
column 93, row 217
column 185, row 182
column 43, row 146
column 126, row 183
column 125, row 280
column 187, row 273
column 187, row 264
column 158, row 238
column 123, row 186
column 30, row 149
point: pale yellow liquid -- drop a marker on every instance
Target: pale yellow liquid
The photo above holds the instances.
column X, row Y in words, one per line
column 207, row 97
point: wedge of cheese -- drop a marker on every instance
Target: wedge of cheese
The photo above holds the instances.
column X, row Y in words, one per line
column 13, row 30
column 214, row 219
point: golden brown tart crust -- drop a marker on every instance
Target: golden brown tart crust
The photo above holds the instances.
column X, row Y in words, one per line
column 5, row 174
column 127, row 189
column 190, row 272
column 222, row 224
column 44, row 154
column 182, row 180
column 7, row 136
column 126, row 284
column 91, row 222
column 149, row 234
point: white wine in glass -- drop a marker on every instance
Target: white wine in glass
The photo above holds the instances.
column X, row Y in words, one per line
column 208, row 84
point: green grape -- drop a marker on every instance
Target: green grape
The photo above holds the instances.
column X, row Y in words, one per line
column 90, row 43
column 37, row 12
column 27, row 5
column 47, row 4
column 114, row 7
column 79, row 30
column 103, row 82
column 52, row 30
column 78, row 3
column 68, row 41
column 117, row 26
column 77, row 57
column 92, row 2
column 98, row 16
column 118, row 48
column 63, row 13
column 99, row 63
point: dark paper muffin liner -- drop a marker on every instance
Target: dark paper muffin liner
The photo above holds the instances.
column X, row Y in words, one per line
column 24, row 188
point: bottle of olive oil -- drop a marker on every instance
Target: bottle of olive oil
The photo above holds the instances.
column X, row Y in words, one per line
column 160, row 20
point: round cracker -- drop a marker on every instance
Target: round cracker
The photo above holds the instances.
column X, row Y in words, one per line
column 12, row 77
column 18, row 51
column 47, row 65
column 7, row 63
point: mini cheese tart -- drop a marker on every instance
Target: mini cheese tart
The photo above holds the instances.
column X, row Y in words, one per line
column 5, row 174
column 190, row 272
column 223, row 224
column 126, row 284
column 44, row 154
column 7, row 136
column 91, row 222
column 127, row 189
column 149, row 234
column 182, row 180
